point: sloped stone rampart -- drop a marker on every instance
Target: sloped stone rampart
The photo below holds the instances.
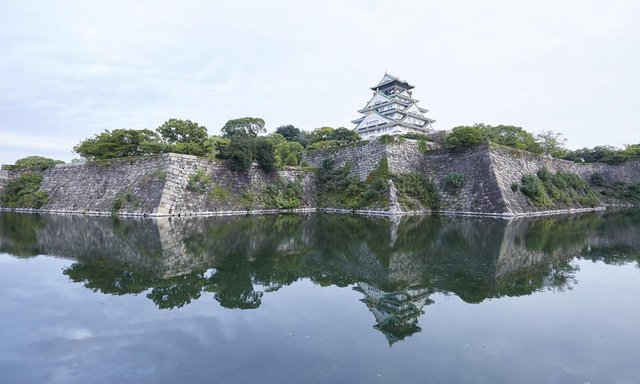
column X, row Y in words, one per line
column 363, row 158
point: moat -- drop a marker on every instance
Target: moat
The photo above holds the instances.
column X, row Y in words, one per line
column 320, row 298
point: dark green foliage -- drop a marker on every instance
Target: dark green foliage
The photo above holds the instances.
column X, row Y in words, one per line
column 597, row 179
column 240, row 152
column 533, row 188
column 416, row 191
column 184, row 136
column 462, row 138
column 120, row 143
column 604, row 154
column 289, row 132
column 546, row 189
column 251, row 126
column 453, row 182
column 265, row 156
column 34, row 163
column 515, row 187
column 387, row 139
column 283, row 194
column 422, row 146
column 337, row 187
column 329, row 137
column 120, row 200
column 510, row 136
column 198, row 181
column 22, row 192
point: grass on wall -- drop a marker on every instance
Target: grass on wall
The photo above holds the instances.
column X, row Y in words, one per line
column 551, row 190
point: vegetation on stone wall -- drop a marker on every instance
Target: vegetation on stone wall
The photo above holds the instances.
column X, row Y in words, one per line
column 604, row 154
column 629, row 192
column 415, row 191
column 283, row 194
column 34, row 163
column 23, row 192
column 547, row 189
column 337, row 187
column 120, row 200
column 198, row 181
column 453, row 182
column 462, row 138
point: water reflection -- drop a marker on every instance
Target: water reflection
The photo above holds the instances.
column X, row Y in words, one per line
column 395, row 264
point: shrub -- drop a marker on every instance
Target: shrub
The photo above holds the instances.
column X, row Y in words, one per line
column 119, row 200
column 422, row 146
column 597, row 179
column 515, row 187
column 198, row 181
column 453, row 182
column 463, row 137
column 218, row 193
column 533, row 188
column 284, row 194
column 239, row 152
column 416, row 191
column 265, row 156
column 35, row 163
column 22, row 192
column 387, row 139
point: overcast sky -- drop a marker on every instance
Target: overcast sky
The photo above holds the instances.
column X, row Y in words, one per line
column 71, row 69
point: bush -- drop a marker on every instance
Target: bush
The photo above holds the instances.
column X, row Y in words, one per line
column 422, row 146
column 198, row 182
column 22, row 192
column 34, row 163
column 120, row 143
column 463, row 137
column 416, row 191
column 265, row 156
column 387, row 139
column 239, row 152
column 453, row 182
column 533, row 188
column 284, row 194
column 597, row 179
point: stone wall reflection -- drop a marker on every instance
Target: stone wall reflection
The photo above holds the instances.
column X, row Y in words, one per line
column 396, row 264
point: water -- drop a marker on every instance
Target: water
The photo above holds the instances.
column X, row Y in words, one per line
column 320, row 299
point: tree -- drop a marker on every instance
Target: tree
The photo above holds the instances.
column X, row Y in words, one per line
column 182, row 131
column 247, row 125
column 120, row 143
column 289, row 132
column 344, row 135
column 184, row 136
column 551, row 143
column 511, row 136
column 265, row 154
column 36, row 163
column 239, row 152
column 464, row 137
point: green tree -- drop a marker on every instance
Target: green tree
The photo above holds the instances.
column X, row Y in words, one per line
column 184, row 136
column 239, row 152
column 344, row 135
column 265, row 154
column 289, row 132
column 464, row 137
column 23, row 192
column 511, row 136
column 552, row 143
column 247, row 125
column 120, row 143
column 36, row 163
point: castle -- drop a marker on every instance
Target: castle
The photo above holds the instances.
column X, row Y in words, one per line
column 392, row 111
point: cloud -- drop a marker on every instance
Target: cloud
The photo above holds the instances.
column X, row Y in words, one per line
column 71, row 69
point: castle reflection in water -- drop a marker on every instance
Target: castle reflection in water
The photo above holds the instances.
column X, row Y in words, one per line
column 397, row 264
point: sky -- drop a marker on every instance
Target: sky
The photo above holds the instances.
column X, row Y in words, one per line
column 71, row 69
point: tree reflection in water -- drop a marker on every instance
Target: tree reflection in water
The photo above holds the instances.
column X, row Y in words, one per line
column 396, row 264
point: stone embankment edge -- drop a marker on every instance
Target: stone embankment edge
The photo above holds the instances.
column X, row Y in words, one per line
column 362, row 212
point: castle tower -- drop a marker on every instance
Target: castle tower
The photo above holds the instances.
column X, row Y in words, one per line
column 392, row 111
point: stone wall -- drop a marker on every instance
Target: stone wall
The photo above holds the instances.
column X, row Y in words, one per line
column 157, row 186
column 364, row 158
column 510, row 165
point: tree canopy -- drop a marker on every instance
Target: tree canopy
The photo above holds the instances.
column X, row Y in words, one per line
column 36, row 163
column 251, row 126
column 120, row 143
